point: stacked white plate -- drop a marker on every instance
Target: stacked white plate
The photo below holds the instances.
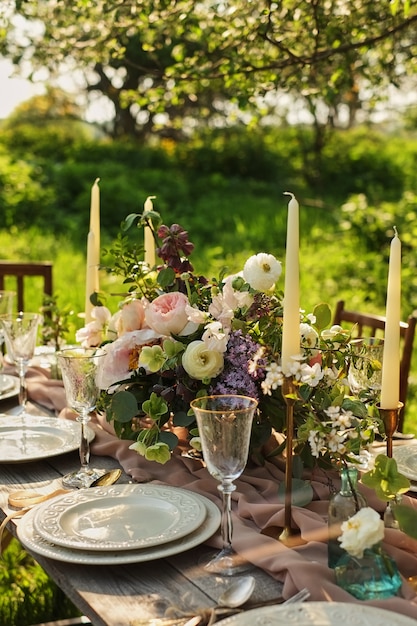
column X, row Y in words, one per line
column 406, row 457
column 119, row 524
column 31, row 438
column 318, row 614
column 9, row 386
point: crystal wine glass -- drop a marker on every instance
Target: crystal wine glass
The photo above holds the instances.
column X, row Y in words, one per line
column 224, row 424
column 20, row 334
column 365, row 369
column 7, row 299
column 80, row 369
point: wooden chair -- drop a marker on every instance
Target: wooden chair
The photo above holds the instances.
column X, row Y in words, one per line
column 367, row 325
column 20, row 271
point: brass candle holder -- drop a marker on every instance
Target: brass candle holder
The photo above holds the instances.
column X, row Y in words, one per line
column 390, row 419
column 289, row 393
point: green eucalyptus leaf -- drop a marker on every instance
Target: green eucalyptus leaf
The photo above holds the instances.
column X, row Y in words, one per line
column 301, row 492
column 169, row 438
column 166, row 277
column 323, row 315
column 123, row 406
column 407, row 519
column 181, row 418
column 130, row 219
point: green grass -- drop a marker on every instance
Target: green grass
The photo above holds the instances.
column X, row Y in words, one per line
column 28, row 595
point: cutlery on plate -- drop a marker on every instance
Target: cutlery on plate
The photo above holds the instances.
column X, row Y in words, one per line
column 26, row 498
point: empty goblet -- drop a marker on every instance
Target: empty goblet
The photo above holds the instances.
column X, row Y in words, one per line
column 365, row 369
column 7, row 299
column 80, row 369
column 224, row 424
column 20, row 334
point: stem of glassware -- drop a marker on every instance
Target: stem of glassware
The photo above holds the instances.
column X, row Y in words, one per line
column 227, row 488
column 23, row 392
column 84, row 418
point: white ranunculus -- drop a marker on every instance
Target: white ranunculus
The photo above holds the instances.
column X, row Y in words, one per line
column 361, row 531
column 262, row 271
column 201, row 363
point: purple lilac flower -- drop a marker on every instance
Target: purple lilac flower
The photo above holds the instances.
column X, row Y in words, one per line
column 236, row 377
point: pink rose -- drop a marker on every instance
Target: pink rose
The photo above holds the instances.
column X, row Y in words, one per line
column 167, row 313
column 120, row 357
column 131, row 317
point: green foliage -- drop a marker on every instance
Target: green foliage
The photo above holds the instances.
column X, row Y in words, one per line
column 385, row 479
column 28, row 595
column 173, row 58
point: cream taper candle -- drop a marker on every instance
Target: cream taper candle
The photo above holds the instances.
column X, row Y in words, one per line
column 149, row 241
column 92, row 282
column 390, row 386
column 95, row 217
column 90, row 278
column 291, row 337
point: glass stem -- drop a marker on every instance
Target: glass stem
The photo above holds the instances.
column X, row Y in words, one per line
column 227, row 488
column 23, row 394
column 84, row 442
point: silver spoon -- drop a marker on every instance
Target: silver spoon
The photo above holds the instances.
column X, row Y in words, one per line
column 238, row 593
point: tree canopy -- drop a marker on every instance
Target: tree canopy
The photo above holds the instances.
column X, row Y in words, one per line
column 168, row 63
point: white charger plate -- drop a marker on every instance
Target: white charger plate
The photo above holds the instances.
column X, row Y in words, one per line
column 318, row 614
column 9, row 386
column 32, row 541
column 119, row 517
column 7, row 382
column 406, row 457
column 31, row 438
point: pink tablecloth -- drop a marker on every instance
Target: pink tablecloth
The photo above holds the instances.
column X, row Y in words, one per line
column 256, row 508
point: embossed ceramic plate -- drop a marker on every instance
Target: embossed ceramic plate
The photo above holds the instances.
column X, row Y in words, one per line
column 406, row 457
column 7, row 382
column 37, row 544
column 318, row 614
column 36, row 437
column 119, row 517
column 10, row 387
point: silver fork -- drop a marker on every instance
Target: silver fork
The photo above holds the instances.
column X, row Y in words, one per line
column 300, row 596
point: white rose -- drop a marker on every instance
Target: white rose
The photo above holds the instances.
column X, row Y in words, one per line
column 361, row 531
column 201, row 363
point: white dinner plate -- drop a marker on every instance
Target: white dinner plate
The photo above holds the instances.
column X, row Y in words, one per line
column 37, row 437
column 7, row 382
column 318, row 614
column 37, row 544
column 9, row 386
column 406, row 457
column 119, row 517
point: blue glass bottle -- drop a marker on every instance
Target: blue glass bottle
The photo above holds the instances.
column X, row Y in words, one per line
column 373, row 576
column 343, row 505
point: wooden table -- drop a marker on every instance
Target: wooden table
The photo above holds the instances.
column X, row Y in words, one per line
column 122, row 595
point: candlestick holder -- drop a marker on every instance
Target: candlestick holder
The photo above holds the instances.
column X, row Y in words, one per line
column 390, row 419
column 289, row 393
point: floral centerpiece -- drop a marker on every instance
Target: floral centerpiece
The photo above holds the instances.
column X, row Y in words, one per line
column 178, row 335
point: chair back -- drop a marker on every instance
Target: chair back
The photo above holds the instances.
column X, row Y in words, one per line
column 368, row 325
column 19, row 271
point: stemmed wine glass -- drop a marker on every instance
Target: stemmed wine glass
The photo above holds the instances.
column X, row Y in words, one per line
column 80, row 369
column 20, row 334
column 365, row 369
column 224, row 424
column 7, row 299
